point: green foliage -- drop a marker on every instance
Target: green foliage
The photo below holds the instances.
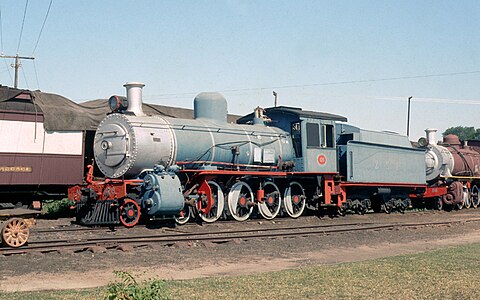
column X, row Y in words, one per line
column 464, row 133
column 58, row 208
column 129, row 289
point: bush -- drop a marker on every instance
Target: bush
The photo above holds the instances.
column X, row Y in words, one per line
column 129, row 289
column 58, row 209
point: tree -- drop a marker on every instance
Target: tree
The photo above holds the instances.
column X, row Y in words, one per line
column 464, row 133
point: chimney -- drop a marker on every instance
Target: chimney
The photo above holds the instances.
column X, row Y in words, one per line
column 431, row 136
column 134, row 98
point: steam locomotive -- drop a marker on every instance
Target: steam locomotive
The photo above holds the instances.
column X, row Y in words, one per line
column 278, row 160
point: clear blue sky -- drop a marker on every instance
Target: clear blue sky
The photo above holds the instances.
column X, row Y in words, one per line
column 89, row 49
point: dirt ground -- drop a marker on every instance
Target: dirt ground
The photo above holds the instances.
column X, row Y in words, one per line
column 68, row 270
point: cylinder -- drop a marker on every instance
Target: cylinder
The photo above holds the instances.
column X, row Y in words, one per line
column 134, row 97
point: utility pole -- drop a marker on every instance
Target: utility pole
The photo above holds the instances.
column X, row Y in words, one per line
column 16, row 65
column 275, row 95
column 408, row 116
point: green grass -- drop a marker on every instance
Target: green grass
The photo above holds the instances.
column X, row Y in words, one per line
column 451, row 273
column 444, row 274
column 56, row 295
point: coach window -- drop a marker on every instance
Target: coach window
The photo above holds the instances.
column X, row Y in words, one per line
column 313, row 135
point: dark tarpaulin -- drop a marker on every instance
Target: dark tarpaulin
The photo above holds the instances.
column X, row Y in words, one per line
column 22, row 104
column 59, row 113
column 155, row 109
column 62, row 114
column 7, row 93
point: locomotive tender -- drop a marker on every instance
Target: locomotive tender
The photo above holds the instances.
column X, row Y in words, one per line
column 274, row 160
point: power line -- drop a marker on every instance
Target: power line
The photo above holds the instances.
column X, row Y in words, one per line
column 43, row 25
column 396, row 98
column 431, row 100
column 16, row 65
column 193, row 94
column 36, row 74
column 1, row 41
column 23, row 23
column 17, row 58
column 361, row 81
column 244, row 91
column 1, row 30
column 327, row 83
column 25, row 77
column 8, row 68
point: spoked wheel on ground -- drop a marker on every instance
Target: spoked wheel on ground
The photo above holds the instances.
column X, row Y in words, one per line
column 467, row 201
column 341, row 210
column 294, row 199
column 459, row 205
column 474, row 196
column 270, row 206
column 129, row 213
column 239, row 201
column 216, row 210
column 404, row 204
column 387, row 207
column 15, row 232
column 438, row 204
column 184, row 215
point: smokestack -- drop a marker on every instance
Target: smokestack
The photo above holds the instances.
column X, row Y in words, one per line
column 431, row 136
column 134, row 97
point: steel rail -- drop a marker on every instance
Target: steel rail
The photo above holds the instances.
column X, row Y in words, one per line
column 185, row 234
column 153, row 225
column 218, row 236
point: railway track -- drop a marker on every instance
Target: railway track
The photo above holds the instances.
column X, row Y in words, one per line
column 221, row 236
column 159, row 225
column 78, row 228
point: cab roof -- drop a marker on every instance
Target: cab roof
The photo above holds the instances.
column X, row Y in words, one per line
column 300, row 113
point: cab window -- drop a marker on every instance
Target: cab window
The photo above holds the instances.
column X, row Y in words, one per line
column 297, row 138
column 313, row 135
column 328, row 136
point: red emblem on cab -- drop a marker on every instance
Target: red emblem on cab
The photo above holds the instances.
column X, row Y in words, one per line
column 321, row 159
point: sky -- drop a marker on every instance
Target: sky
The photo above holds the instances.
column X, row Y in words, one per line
column 358, row 59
